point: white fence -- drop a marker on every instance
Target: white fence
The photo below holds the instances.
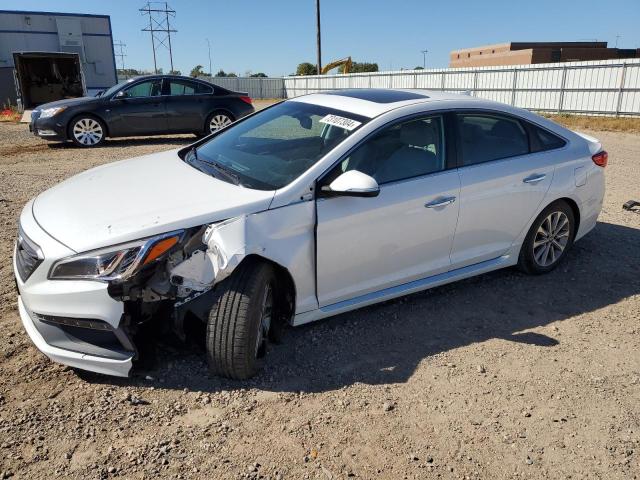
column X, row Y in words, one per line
column 256, row 87
column 607, row 87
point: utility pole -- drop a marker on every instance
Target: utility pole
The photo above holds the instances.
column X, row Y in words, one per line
column 119, row 53
column 209, row 47
column 318, row 42
column 160, row 28
column 424, row 58
column 617, row 38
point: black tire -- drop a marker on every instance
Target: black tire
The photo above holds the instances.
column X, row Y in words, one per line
column 531, row 263
column 91, row 138
column 218, row 113
column 235, row 328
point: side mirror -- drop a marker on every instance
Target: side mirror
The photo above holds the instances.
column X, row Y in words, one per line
column 352, row 184
column 121, row 95
column 99, row 93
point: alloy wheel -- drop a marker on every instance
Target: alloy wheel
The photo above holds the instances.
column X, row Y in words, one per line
column 219, row 121
column 551, row 239
column 265, row 322
column 88, row 131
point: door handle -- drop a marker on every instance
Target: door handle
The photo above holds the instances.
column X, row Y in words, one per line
column 535, row 178
column 440, row 202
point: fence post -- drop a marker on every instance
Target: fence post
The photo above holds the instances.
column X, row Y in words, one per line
column 475, row 83
column 306, row 86
column 415, row 80
column 513, row 87
column 562, row 85
column 620, row 89
column 443, row 80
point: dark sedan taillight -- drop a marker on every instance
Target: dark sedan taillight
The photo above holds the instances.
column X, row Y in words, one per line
column 247, row 100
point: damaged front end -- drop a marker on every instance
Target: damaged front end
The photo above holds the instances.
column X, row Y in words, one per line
column 168, row 280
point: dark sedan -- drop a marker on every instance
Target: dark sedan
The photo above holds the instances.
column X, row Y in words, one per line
column 148, row 105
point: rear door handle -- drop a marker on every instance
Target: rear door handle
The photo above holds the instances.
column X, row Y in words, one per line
column 535, row 178
column 440, row 202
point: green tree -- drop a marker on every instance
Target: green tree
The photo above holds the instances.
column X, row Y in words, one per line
column 221, row 73
column 175, row 72
column 306, row 68
column 419, row 68
column 258, row 75
column 231, row 74
column 196, row 71
column 358, row 67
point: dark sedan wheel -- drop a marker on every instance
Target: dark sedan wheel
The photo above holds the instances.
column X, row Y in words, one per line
column 218, row 120
column 87, row 131
column 548, row 240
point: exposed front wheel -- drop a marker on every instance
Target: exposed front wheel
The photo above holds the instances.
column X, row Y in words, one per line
column 87, row 131
column 548, row 240
column 240, row 321
column 218, row 120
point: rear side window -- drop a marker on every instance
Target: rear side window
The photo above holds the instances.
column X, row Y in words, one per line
column 543, row 140
column 486, row 137
column 184, row 87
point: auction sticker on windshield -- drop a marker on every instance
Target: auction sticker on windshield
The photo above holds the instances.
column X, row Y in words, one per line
column 342, row 122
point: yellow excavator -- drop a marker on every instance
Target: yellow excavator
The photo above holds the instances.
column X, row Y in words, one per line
column 346, row 62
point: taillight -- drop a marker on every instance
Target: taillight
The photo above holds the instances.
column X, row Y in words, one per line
column 601, row 158
column 246, row 99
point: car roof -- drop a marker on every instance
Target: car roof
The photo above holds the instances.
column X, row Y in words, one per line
column 371, row 102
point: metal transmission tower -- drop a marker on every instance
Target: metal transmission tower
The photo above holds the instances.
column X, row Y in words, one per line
column 119, row 53
column 159, row 13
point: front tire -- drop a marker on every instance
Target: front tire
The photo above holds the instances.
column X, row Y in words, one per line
column 240, row 321
column 550, row 237
column 87, row 131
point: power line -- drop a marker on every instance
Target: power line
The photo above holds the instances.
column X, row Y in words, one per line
column 120, row 52
column 160, row 28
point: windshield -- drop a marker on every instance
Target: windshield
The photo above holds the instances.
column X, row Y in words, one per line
column 272, row 148
column 115, row 88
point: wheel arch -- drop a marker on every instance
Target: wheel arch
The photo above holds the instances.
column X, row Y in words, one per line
column 574, row 208
column 285, row 283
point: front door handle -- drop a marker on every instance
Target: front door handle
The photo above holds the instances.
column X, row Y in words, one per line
column 535, row 178
column 440, row 202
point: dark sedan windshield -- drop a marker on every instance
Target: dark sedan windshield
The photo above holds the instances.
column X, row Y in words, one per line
column 272, row 148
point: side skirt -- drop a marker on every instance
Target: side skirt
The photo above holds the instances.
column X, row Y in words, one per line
column 404, row 289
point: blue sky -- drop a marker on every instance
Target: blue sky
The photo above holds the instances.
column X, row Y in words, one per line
column 274, row 36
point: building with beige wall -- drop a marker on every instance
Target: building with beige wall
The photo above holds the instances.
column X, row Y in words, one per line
column 525, row 53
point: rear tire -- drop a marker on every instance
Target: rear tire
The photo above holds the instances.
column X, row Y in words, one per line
column 240, row 321
column 548, row 240
column 87, row 131
column 217, row 120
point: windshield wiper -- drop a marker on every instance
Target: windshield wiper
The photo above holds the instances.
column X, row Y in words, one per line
column 227, row 172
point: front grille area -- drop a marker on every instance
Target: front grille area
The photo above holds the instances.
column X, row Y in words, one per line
column 28, row 256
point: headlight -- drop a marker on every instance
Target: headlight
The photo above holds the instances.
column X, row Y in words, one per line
column 50, row 112
column 115, row 263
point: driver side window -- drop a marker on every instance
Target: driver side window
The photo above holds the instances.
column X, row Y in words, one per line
column 404, row 150
column 151, row 88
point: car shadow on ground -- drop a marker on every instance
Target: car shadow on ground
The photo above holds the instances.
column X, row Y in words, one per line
column 384, row 343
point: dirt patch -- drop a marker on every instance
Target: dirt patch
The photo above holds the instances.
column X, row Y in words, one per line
column 500, row 376
column 608, row 124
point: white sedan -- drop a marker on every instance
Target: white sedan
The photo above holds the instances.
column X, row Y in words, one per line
column 310, row 208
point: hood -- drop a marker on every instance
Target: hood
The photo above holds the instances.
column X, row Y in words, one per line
column 137, row 198
column 68, row 102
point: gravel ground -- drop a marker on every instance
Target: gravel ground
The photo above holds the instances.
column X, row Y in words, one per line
column 500, row 376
